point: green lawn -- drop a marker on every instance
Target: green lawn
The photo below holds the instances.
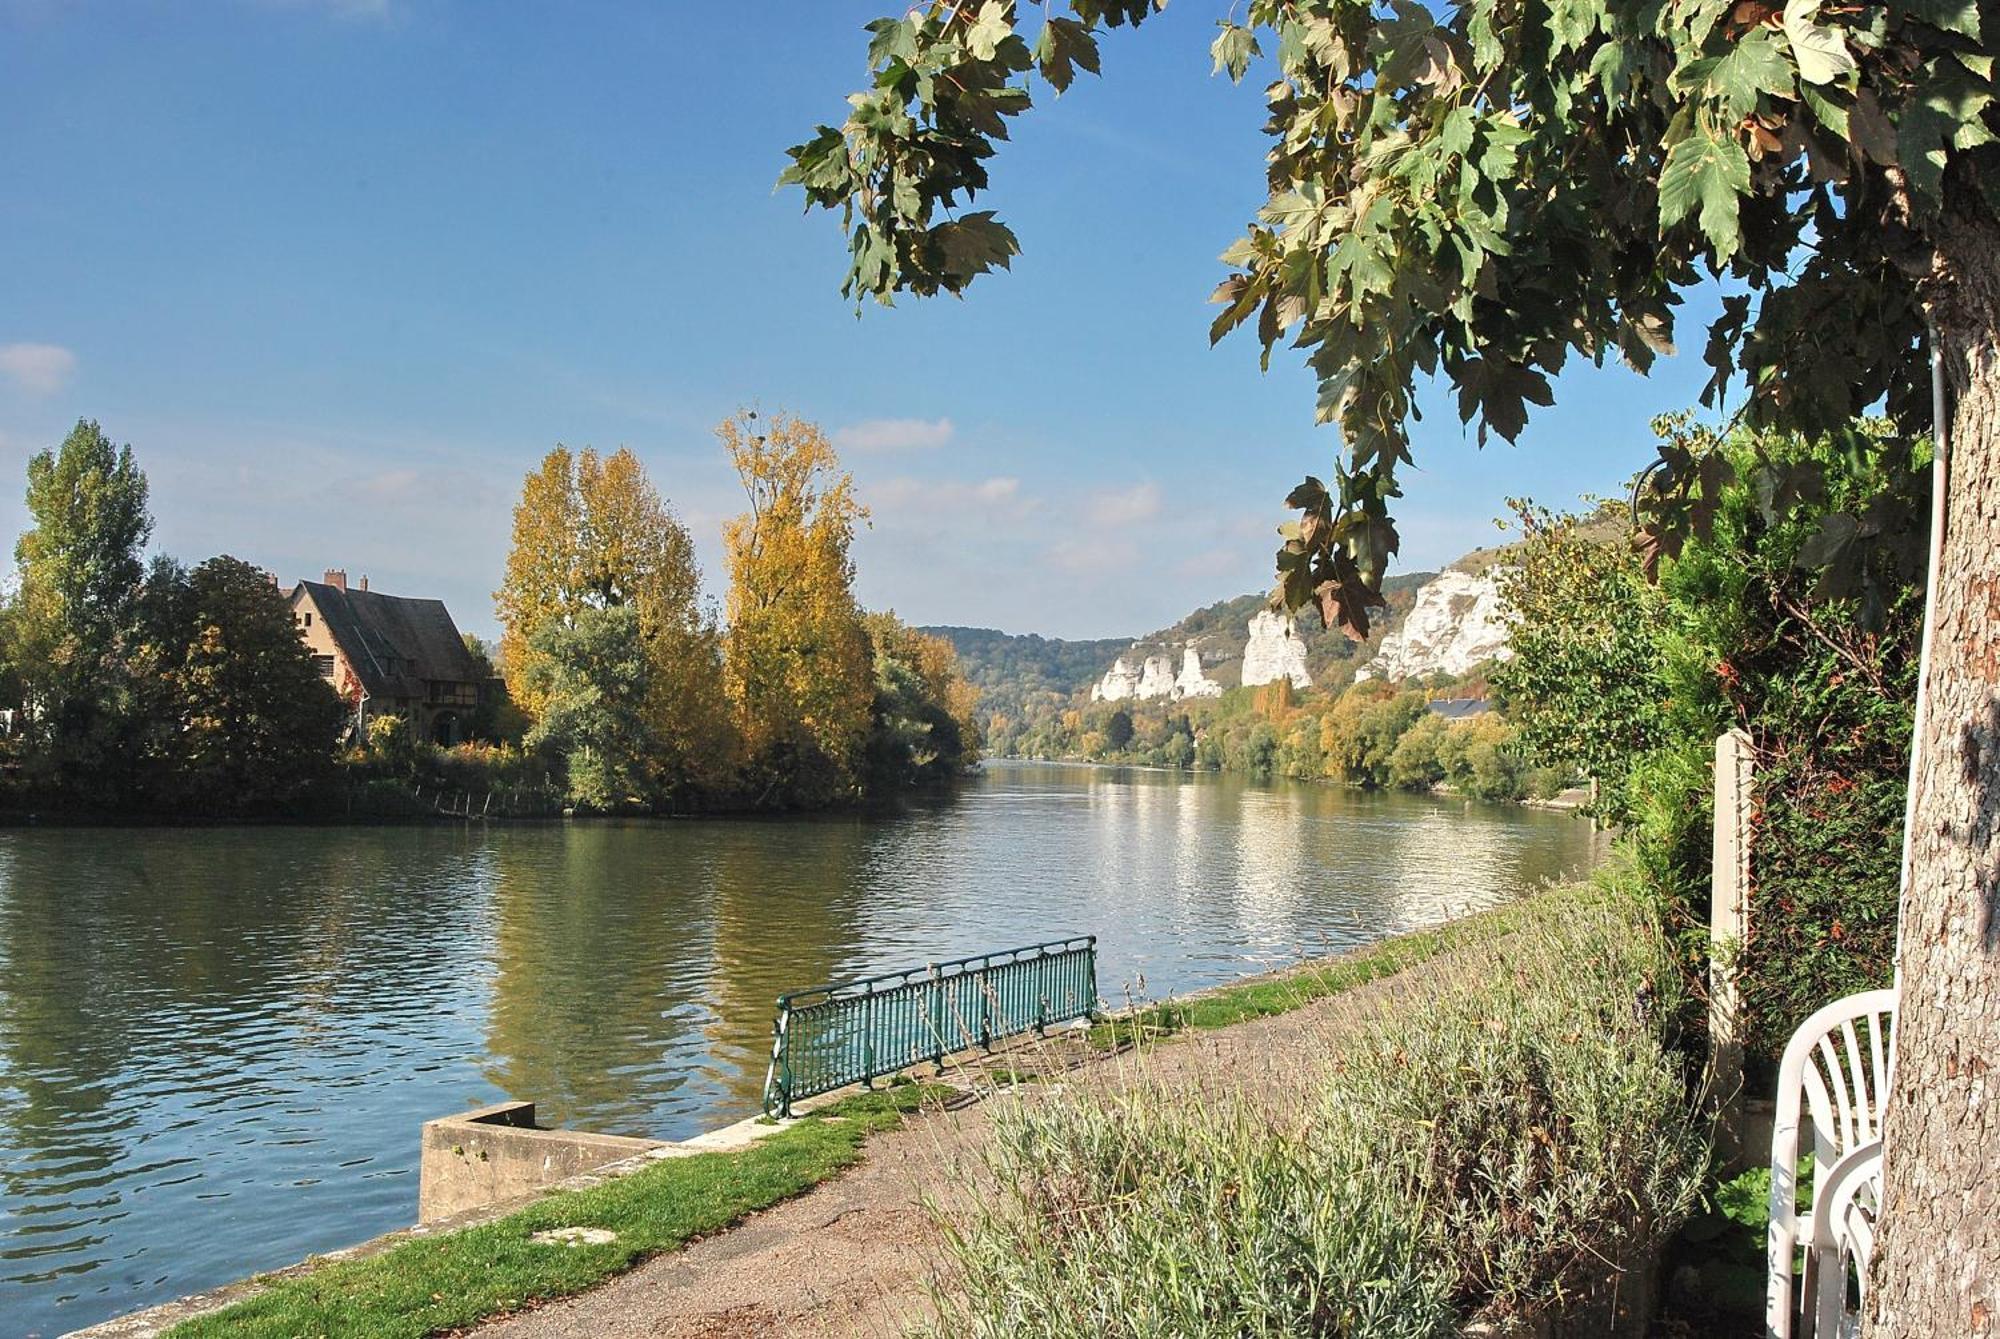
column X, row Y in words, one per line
column 456, row 1279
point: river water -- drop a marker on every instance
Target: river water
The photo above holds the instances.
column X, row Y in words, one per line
column 217, row 1046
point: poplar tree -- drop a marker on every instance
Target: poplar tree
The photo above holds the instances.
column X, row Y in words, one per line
column 796, row 652
column 80, row 564
column 1481, row 190
column 544, row 579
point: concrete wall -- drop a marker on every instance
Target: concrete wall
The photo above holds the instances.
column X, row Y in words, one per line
column 497, row 1154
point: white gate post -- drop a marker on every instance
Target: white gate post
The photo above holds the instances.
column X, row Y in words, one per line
column 1728, row 928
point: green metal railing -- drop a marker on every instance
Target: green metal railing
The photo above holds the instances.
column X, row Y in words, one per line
column 857, row 1031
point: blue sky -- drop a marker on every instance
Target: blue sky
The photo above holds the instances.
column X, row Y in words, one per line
column 341, row 271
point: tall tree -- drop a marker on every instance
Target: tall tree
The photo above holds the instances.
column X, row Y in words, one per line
column 591, row 533
column 1482, row 189
column 80, row 562
column 796, row 654
column 544, row 579
column 637, row 552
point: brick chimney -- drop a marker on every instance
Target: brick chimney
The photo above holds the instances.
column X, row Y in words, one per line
column 336, row 577
column 364, row 581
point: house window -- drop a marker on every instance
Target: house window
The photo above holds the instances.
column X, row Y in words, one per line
column 324, row 664
column 309, row 620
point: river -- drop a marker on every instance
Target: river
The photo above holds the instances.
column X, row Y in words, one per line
column 217, row 1045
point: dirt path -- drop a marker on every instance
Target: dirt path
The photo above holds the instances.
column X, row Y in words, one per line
column 855, row 1255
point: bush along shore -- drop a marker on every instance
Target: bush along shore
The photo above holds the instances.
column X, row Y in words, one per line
column 1371, row 735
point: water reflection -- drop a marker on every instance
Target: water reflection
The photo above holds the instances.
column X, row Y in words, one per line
column 216, row 1047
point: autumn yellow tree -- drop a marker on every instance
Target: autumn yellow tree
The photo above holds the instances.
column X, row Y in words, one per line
column 591, row 532
column 636, row 552
column 797, row 656
column 544, row 577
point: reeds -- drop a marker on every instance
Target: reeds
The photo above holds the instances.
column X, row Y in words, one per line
column 1502, row 1142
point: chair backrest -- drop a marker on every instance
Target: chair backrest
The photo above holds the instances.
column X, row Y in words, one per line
column 1837, row 1066
column 1840, row 1059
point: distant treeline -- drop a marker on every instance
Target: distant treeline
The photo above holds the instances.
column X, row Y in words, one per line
column 146, row 687
column 1370, row 734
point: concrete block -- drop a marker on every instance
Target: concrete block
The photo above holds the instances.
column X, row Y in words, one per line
column 497, row 1154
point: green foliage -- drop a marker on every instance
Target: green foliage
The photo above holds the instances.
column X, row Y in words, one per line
column 1584, row 687
column 80, row 558
column 921, row 731
column 1633, row 683
column 80, row 562
column 391, row 743
column 591, row 676
column 1415, row 764
column 1369, row 735
column 1118, row 729
column 152, row 688
column 237, row 718
column 1465, row 192
column 1514, row 1132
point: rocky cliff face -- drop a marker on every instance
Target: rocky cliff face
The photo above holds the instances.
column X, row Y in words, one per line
column 1192, row 682
column 1118, row 683
column 1157, row 680
column 1456, row 624
column 1154, row 679
column 1274, row 652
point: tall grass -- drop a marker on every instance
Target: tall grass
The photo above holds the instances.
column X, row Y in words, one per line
column 1503, row 1144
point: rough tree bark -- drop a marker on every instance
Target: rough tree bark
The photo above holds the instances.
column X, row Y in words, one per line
column 1937, row 1269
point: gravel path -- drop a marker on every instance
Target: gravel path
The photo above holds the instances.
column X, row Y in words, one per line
column 857, row 1254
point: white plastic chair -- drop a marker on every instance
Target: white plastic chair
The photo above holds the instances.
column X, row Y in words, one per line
column 1844, row 1082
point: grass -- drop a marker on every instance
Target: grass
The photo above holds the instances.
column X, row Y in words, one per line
column 1505, row 1145
column 1267, row 996
column 448, row 1282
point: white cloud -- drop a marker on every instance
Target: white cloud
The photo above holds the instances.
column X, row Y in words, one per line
column 38, row 369
column 894, row 434
column 1127, row 507
column 925, row 496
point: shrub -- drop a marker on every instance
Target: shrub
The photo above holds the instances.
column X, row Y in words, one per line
column 1631, row 683
column 1515, row 1129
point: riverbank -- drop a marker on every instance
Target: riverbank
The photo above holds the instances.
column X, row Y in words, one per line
column 422, row 1283
column 618, row 973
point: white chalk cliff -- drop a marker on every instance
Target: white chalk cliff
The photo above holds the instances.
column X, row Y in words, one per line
column 1456, row 624
column 1155, row 679
column 1118, row 683
column 1158, row 678
column 1275, row 651
column 1191, row 682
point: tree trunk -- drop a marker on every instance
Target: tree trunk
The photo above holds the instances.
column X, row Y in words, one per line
column 1937, row 1268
